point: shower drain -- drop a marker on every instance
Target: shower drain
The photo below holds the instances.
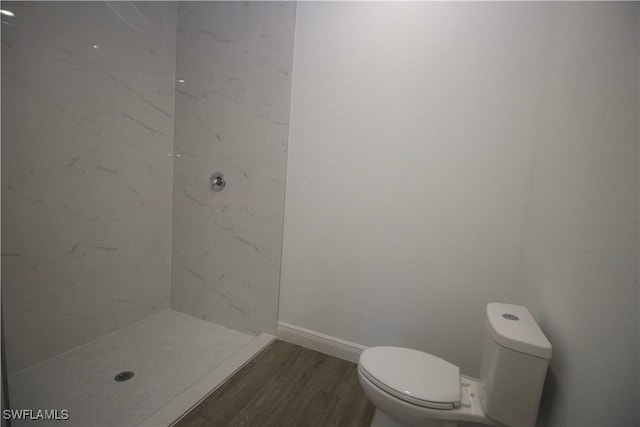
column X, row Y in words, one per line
column 123, row 376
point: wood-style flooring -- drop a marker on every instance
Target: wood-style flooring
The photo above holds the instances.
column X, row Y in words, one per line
column 286, row 385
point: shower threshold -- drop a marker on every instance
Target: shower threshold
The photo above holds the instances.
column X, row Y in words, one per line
column 147, row 374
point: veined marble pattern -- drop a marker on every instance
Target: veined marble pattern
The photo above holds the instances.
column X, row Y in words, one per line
column 232, row 111
column 87, row 133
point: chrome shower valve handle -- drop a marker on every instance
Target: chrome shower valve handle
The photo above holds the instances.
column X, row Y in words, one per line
column 217, row 181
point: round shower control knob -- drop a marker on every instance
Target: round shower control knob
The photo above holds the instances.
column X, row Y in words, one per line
column 217, row 181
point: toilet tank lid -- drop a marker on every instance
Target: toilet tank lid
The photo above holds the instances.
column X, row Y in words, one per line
column 512, row 326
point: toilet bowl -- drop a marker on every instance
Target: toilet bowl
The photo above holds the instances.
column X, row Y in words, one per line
column 413, row 388
column 418, row 389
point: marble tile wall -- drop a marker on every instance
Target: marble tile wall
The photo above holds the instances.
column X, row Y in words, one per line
column 87, row 129
column 233, row 71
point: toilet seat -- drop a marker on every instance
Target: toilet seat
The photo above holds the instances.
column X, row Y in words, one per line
column 413, row 376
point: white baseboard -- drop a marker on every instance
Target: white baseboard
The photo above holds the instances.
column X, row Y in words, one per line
column 320, row 342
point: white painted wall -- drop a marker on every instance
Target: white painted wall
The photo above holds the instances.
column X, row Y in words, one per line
column 442, row 156
column 409, row 168
column 580, row 271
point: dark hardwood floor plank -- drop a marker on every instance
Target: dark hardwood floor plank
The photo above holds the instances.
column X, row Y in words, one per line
column 286, row 385
column 309, row 393
column 349, row 406
column 277, row 392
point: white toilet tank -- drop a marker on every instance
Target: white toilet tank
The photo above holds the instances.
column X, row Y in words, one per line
column 514, row 363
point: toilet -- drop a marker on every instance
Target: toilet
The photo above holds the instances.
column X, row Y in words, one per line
column 414, row 388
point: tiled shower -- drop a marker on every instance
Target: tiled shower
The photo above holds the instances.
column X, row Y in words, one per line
column 116, row 255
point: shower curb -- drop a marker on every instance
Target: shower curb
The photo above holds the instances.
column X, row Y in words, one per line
column 172, row 412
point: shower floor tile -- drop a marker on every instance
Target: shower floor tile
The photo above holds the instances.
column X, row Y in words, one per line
column 168, row 352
